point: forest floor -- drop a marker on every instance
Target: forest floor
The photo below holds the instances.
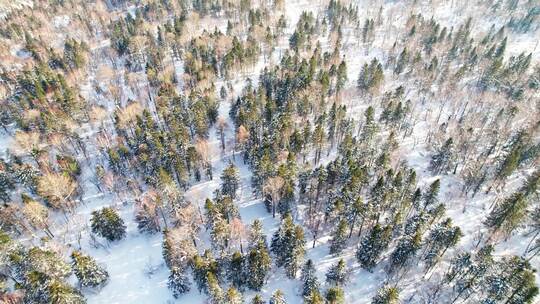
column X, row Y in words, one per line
column 136, row 267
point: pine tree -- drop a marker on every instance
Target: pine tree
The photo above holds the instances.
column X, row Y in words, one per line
column 203, row 266
column 214, row 290
column 277, row 298
column 441, row 161
column 220, row 234
column 108, row 224
column 507, row 215
column 309, row 278
column 178, row 282
column 339, row 241
column 337, row 275
column 288, row 246
column 386, row 295
column 256, row 234
column 236, row 274
column 442, row 237
column 87, row 271
column 257, row 299
column 335, row 295
column 233, row 296
column 258, row 266
column 372, row 246
column 314, row 298
column 62, row 293
column 405, row 250
column 230, row 179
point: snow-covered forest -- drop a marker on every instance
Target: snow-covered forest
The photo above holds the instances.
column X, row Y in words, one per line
column 269, row 151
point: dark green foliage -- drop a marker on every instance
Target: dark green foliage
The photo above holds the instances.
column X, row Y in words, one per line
column 288, row 246
column 337, row 274
column 309, row 277
column 258, row 265
column 335, row 295
column 372, row 246
column 178, row 282
column 277, row 298
column 386, row 295
column 508, row 214
column 108, row 224
column 230, row 180
column 87, row 271
column 371, row 77
column 339, row 240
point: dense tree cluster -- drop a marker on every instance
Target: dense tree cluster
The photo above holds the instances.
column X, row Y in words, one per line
column 374, row 135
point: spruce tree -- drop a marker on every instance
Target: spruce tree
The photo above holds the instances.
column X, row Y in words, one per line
column 335, row 295
column 258, row 266
column 277, row 298
column 87, row 271
column 339, row 241
column 372, row 246
column 230, row 180
column 288, row 246
column 108, row 224
column 257, row 299
column 178, row 282
column 233, row 296
column 236, row 273
column 386, row 295
column 309, row 278
column 337, row 275
column 405, row 250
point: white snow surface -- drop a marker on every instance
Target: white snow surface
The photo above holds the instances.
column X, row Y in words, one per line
column 136, row 267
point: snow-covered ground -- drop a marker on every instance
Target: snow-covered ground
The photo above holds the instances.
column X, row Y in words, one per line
column 136, row 267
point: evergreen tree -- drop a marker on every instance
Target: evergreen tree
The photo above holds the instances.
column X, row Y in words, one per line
column 339, row 241
column 214, row 291
column 288, row 246
column 87, row 271
column 372, row 246
column 386, row 295
column 512, row 281
column 277, row 298
column 507, row 215
column 309, row 278
column 335, row 295
column 442, row 237
column 62, row 293
column 403, row 60
column 441, row 161
column 256, row 234
column 257, row 299
column 230, row 179
column 314, row 298
column 258, row 265
column 108, row 224
column 405, row 250
column 468, row 271
column 236, row 273
column 178, row 282
column 337, row 275
column 430, row 197
column 233, row 296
